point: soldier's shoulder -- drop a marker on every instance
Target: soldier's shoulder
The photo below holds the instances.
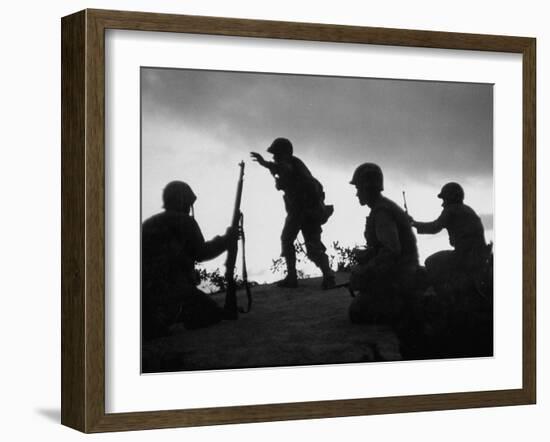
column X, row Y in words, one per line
column 453, row 208
column 299, row 166
column 468, row 208
column 153, row 220
column 384, row 211
column 387, row 205
column 167, row 218
column 459, row 209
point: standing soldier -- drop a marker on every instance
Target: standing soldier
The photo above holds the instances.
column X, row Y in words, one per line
column 466, row 235
column 171, row 244
column 305, row 207
column 387, row 268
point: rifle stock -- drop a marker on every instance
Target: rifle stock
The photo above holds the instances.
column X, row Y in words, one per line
column 230, row 307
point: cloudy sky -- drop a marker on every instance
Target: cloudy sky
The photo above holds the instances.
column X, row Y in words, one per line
column 197, row 126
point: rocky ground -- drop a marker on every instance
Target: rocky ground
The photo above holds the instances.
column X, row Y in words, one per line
column 286, row 327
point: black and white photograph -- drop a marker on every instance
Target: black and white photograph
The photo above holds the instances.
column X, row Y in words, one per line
column 299, row 220
column 264, row 221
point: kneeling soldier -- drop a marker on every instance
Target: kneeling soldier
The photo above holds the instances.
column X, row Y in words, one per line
column 466, row 236
column 388, row 267
column 171, row 244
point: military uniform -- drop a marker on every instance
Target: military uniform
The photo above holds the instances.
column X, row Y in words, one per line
column 171, row 244
column 456, row 320
column 466, row 236
column 388, row 269
column 303, row 197
column 306, row 210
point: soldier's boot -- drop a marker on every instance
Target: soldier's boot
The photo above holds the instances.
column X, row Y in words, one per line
column 289, row 282
column 329, row 281
column 291, row 279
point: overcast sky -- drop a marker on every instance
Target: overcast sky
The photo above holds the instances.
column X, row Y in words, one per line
column 197, row 125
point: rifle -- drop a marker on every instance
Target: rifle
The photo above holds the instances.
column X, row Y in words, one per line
column 230, row 307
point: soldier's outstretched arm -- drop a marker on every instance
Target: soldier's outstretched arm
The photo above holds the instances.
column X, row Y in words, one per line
column 211, row 249
column 216, row 246
column 202, row 250
column 427, row 228
column 258, row 158
column 434, row 226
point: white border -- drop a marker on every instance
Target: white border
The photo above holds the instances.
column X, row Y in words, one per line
column 127, row 390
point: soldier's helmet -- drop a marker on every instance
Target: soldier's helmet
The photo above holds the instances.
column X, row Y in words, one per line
column 368, row 175
column 452, row 192
column 280, row 146
column 178, row 195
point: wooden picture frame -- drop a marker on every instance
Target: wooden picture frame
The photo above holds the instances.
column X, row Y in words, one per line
column 83, row 220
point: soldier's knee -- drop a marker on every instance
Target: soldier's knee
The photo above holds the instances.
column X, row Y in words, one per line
column 315, row 255
column 439, row 258
column 315, row 250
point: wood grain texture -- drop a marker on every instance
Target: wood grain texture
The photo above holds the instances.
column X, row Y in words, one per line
column 529, row 220
column 83, row 220
column 307, row 410
column 306, row 31
column 73, row 257
column 95, row 222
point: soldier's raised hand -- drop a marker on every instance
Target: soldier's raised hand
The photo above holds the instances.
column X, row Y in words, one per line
column 258, row 158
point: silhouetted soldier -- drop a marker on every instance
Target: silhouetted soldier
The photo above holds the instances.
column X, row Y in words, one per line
column 171, row 244
column 387, row 268
column 460, row 316
column 306, row 211
column 466, row 236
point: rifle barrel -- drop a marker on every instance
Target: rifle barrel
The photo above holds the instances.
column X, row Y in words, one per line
column 230, row 306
